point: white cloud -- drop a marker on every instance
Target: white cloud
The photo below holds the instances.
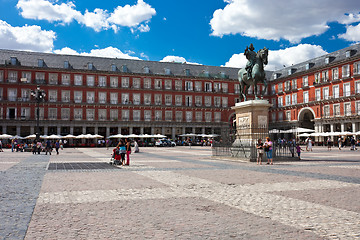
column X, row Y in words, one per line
column 278, row 58
column 352, row 33
column 177, row 59
column 109, row 52
column 30, row 38
column 136, row 17
column 292, row 20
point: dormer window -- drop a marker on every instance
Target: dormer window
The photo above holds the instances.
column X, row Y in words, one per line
column 222, row 75
column 187, row 72
column 113, row 68
column 206, row 73
column 327, row 60
column 277, row 75
column 13, row 61
column 66, row 64
column 90, row 66
column 41, row 63
column 124, row 68
column 167, row 71
column 146, row 70
column 348, row 53
column 307, row 66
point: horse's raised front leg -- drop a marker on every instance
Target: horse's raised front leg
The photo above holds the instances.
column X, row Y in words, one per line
column 255, row 91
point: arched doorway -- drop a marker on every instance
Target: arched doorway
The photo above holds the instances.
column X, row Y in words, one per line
column 306, row 118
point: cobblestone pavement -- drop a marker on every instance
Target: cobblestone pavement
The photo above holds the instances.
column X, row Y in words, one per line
column 180, row 193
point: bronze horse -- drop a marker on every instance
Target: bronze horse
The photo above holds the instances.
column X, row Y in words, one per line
column 257, row 75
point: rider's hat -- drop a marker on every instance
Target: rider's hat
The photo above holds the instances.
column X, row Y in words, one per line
column 251, row 47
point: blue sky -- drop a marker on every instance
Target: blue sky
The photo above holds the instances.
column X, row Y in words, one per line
column 214, row 32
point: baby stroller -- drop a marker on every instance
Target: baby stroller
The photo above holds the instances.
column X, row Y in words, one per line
column 116, row 157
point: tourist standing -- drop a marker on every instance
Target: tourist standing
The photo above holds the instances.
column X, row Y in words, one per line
column 328, row 142
column 268, row 146
column 260, row 151
column 122, row 150
column 48, row 147
column 57, row 146
column 298, row 150
column 309, row 145
column 1, row 150
column 352, row 142
column 136, row 147
column 340, row 142
column 128, row 151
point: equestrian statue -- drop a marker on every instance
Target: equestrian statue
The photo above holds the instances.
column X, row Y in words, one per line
column 254, row 73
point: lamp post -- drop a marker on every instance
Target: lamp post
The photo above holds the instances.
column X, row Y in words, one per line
column 39, row 96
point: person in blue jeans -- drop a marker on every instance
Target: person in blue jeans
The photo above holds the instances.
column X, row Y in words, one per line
column 268, row 146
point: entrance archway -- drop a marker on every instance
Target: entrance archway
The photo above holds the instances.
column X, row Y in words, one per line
column 306, row 118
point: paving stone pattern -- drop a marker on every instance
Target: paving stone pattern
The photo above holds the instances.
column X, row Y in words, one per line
column 180, row 193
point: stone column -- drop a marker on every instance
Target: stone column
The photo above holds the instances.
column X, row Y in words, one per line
column 173, row 132
column 131, row 130
column 32, row 129
column 141, row 130
column 107, row 131
column 332, row 130
column 342, row 127
column 58, row 130
column 18, row 130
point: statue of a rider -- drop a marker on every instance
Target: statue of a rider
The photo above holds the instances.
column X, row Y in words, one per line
column 251, row 57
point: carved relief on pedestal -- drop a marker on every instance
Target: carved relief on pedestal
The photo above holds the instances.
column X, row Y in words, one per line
column 262, row 120
column 243, row 121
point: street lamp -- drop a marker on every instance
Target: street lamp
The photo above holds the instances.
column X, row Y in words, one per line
column 39, row 96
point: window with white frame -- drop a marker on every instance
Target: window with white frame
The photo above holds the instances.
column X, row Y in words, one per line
column 102, row 97
column 207, row 100
column 102, row 114
column 357, row 107
column 198, row 101
column 208, row 117
column 158, row 83
column 188, row 86
column 273, row 102
column 225, row 87
column 168, row 115
column 317, row 77
column 65, row 113
column 326, row 111
column 273, row 89
column 280, row 116
column 147, row 115
column 347, row 91
column 198, row 116
column 273, row 116
column 125, row 82
column 287, row 85
column 102, row 81
column 347, row 109
column 356, row 68
column 217, row 116
column 65, row 79
column 78, row 80
column 287, row 100
column 335, row 73
column 90, row 114
column 318, row 94
column 1, row 93
column 357, row 87
column 306, row 97
column 280, row 101
column 40, row 77
column 25, row 113
column 25, row 95
column 336, row 91
column 78, row 112
column 147, row 99
column 325, row 76
column 178, row 116
column 114, row 82
column 217, row 86
column 217, row 101
column 147, row 83
column 189, row 116
column 26, row 77
column 52, row 113
column 125, row 115
column 294, row 83
column 53, row 78
column 90, row 80
column 114, row 98
column 288, row 115
column 78, row 96
column 136, row 115
column 178, row 100
column 114, row 114
column 52, row 95
column 280, row 87
column 168, row 84
column 13, row 76
column 65, row 96
column 136, row 83
column 198, row 87
column 294, row 98
column 41, row 113
column 326, row 93
column 178, row 85
column 236, row 88
column 168, row 99
column 136, row 98
column 305, row 81
column 336, row 110
column 158, row 99
column 345, row 71
column 90, row 97
column 158, row 115
column 1, row 75
column 188, row 101
column 207, row 87
column 125, row 98
column 224, row 101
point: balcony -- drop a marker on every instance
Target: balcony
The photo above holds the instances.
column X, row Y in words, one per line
column 40, row 81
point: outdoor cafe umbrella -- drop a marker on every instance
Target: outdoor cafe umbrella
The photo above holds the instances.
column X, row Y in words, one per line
column 16, row 137
column 69, row 136
column 304, row 135
column 159, row 136
column 132, row 136
column 5, row 136
column 117, row 136
column 53, row 136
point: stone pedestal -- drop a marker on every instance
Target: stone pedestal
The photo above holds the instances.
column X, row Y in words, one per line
column 251, row 124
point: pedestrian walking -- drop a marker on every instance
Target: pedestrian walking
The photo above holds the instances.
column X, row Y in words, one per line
column 329, row 143
column 268, row 147
column 260, row 151
column 38, row 147
column 309, row 144
column 352, row 142
column 48, row 148
column 136, row 147
column 1, row 150
column 292, row 144
column 128, row 151
column 122, row 150
column 340, row 142
column 298, row 150
column 57, row 146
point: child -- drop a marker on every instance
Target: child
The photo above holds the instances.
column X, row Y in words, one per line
column 298, row 150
